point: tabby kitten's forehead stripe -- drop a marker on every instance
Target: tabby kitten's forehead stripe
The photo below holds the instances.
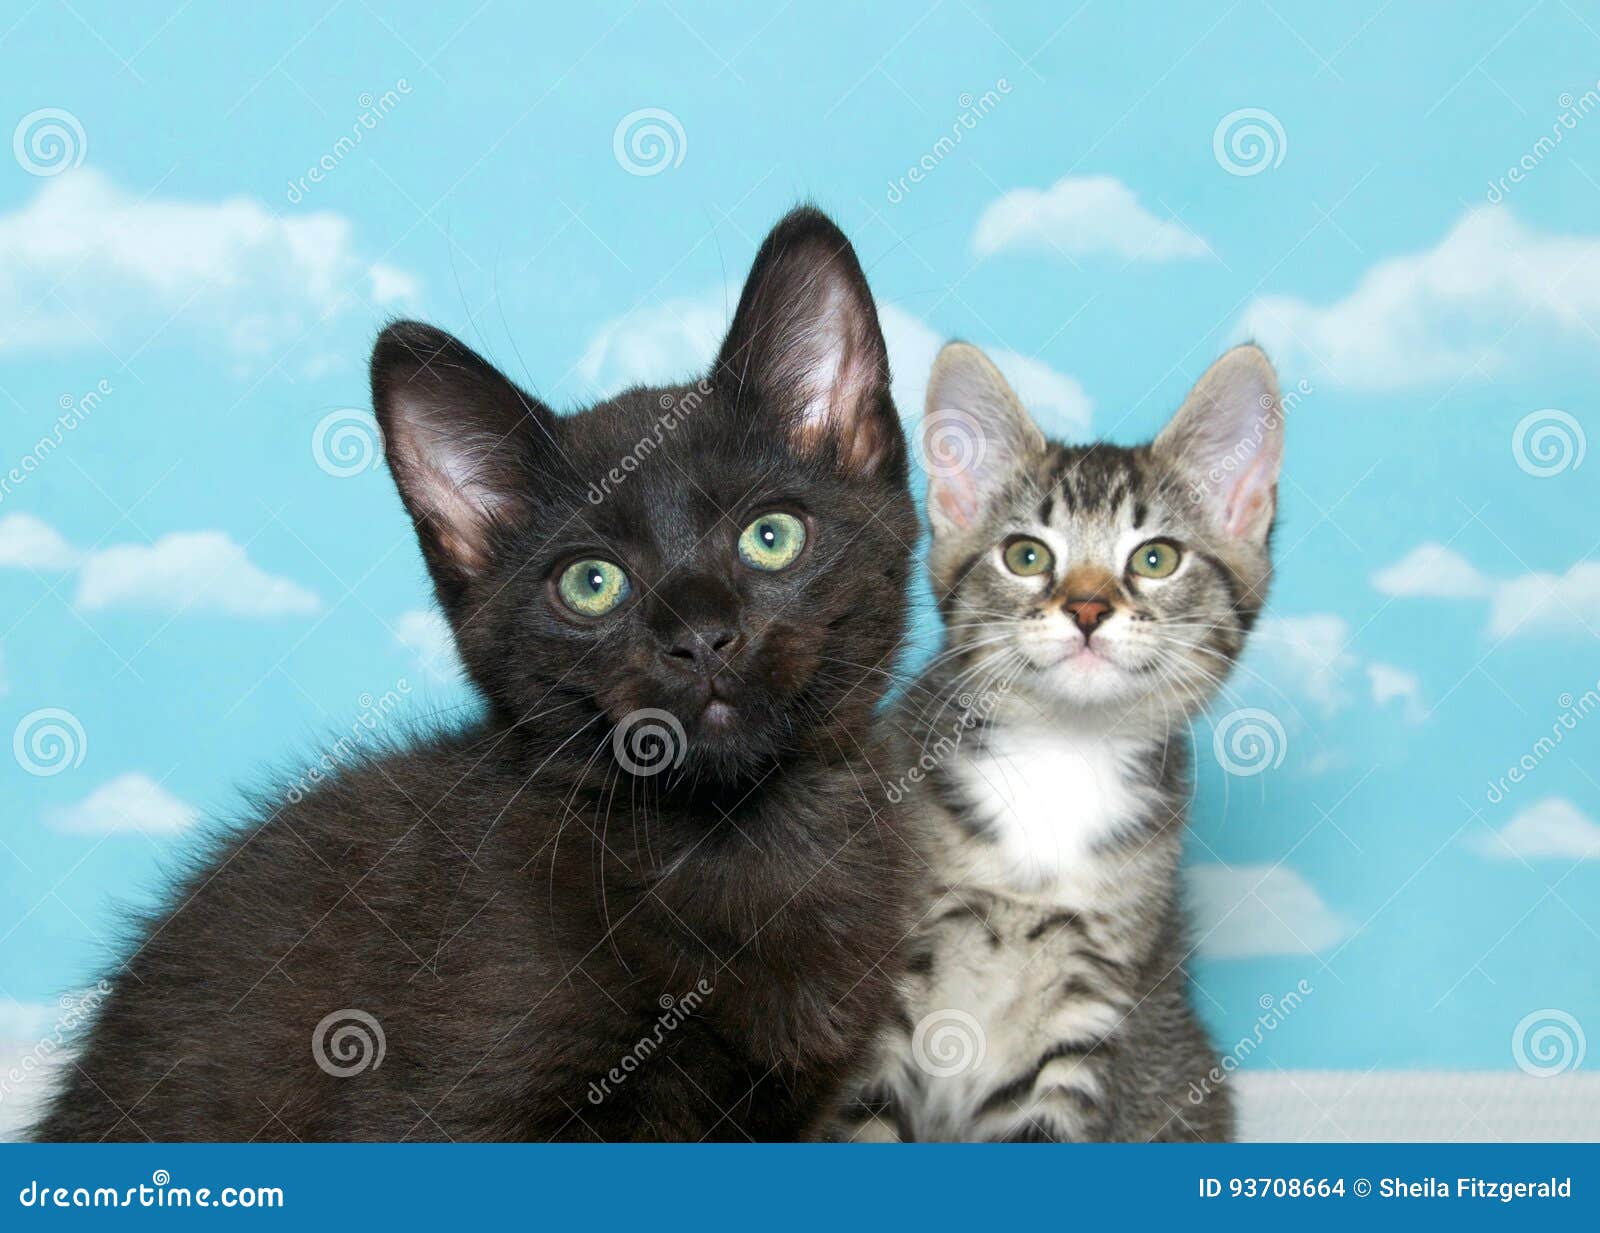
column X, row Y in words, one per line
column 1095, row 598
column 1071, row 489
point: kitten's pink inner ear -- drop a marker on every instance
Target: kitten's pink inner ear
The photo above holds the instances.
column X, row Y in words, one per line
column 957, row 499
column 1253, row 500
column 443, row 484
column 840, row 381
column 460, row 526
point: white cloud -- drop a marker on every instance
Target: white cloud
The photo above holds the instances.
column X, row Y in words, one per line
column 1433, row 571
column 428, row 636
column 680, row 339
column 131, row 802
column 1310, row 653
column 26, row 1020
column 29, row 1095
column 1533, row 603
column 1392, row 684
column 1551, row 829
column 200, row 571
column 673, row 342
column 1247, row 910
column 1055, row 400
column 391, row 285
column 1081, row 216
column 1548, row 603
column 85, row 263
column 32, row 543
column 37, row 1042
column 1431, row 317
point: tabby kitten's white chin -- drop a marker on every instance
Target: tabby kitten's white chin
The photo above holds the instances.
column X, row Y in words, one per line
column 1104, row 669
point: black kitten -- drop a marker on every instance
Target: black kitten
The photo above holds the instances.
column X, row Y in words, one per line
column 647, row 897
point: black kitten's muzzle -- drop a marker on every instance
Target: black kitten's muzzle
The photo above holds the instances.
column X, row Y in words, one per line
column 706, row 654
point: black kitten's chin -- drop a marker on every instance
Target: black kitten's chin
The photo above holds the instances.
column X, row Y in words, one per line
column 729, row 762
column 739, row 740
column 687, row 745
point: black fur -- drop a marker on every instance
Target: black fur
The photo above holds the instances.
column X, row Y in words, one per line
column 516, row 911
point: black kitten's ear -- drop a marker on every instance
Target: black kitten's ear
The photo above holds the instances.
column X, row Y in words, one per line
column 461, row 442
column 806, row 344
column 976, row 434
column 1227, row 441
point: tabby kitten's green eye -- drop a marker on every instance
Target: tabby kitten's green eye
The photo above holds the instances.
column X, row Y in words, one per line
column 772, row 541
column 1028, row 557
column 1157, row 559
column 593, row 588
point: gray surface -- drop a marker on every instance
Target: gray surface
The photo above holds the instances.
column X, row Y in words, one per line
column 1417, row 1106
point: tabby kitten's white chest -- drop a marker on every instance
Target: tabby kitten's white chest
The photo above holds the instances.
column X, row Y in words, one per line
column 1049, row 797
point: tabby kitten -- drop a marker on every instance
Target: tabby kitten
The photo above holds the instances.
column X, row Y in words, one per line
column 1094, row 600
column 645, row 897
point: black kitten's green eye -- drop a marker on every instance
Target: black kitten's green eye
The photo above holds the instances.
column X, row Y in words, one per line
column 1157, row 559
column 592, row 588
column 772, row 541
column 1028, row 557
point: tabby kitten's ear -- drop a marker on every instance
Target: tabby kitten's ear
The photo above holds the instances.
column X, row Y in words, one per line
column 462, row 443
column 805, row 344
column 976, row 435
column 1227, row 442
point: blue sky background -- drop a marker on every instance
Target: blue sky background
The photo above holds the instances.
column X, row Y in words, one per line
column 193, row 578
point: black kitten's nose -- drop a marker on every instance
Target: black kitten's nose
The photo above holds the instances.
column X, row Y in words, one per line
column 704, row 649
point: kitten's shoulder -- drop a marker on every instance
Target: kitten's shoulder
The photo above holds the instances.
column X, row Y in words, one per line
column 383, row 792
column 380, row 818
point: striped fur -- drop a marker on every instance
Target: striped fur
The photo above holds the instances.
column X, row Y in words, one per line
column 1047, row 997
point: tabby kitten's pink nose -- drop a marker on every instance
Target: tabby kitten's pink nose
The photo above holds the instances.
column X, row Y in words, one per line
column 1088, row 613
